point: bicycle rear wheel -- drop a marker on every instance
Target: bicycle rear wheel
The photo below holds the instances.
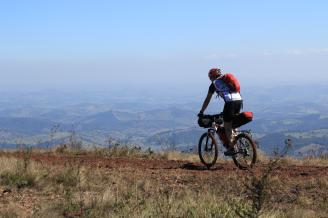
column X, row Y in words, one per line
column 207, row 150
column 246, row 151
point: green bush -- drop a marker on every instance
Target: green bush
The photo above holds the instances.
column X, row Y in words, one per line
column 68, row 177
column 17, row 179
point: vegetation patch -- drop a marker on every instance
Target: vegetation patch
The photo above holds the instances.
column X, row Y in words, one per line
column 71, row 185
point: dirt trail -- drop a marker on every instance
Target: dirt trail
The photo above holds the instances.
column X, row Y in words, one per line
column 163, row 166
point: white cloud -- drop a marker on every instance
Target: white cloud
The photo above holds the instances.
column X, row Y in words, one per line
column 295, row 52
column 220, row 56
column 310, row 51
column 267, row 53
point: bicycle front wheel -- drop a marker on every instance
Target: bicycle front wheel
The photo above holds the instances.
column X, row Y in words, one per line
column 207, row 149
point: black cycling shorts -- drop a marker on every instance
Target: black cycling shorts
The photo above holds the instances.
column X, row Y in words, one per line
column 231, row 109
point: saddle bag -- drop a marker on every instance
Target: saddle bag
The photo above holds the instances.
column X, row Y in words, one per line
column 242, row 119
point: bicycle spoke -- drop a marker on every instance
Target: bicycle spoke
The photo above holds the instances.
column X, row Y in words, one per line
column 206, row 149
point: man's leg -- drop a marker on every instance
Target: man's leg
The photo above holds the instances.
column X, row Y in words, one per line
column 228, row 132
column 227, row 118
column 229, row 111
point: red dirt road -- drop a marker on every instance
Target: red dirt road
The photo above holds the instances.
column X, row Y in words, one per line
column 163, row 166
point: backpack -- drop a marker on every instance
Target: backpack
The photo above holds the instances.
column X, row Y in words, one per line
column 232, row 81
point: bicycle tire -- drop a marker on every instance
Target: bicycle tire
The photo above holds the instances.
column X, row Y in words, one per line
column 207, row 136
column 252, row 145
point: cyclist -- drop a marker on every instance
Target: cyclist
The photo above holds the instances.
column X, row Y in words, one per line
column 227, row 90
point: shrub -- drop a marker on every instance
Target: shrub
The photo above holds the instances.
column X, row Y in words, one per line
column 17, row 179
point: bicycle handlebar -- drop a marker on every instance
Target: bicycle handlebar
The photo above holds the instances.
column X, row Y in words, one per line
column 218, row 118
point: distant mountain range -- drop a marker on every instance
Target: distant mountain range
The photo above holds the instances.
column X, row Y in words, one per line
column 25, row 125
column 35, row 119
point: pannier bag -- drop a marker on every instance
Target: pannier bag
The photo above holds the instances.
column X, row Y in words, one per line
column 242, row 119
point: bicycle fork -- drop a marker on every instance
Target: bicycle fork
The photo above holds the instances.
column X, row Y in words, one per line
column 209, row 147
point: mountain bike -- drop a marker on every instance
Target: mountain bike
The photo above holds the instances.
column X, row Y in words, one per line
column 208, row 146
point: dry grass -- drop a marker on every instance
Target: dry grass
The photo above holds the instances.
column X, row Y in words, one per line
column 74, row 190
column 299, row 161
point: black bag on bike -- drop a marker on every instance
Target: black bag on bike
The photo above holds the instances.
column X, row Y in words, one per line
column 205, row 121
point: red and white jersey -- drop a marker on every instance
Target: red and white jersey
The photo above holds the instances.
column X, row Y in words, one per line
column 225, row 91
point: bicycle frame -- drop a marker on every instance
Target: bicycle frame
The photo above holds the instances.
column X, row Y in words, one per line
column 219, row 130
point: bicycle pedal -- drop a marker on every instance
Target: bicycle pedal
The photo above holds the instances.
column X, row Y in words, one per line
column 230, row 153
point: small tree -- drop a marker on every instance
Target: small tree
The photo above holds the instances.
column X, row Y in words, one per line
column 257, row 185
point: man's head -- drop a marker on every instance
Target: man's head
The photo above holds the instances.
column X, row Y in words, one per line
column 214, row 73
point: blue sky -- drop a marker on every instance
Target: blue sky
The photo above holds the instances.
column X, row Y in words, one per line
column 99, row 43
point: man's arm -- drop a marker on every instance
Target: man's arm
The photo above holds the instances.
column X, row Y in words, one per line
column 206, row 102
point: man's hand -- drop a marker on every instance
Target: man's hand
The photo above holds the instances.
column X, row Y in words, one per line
column 200, row 114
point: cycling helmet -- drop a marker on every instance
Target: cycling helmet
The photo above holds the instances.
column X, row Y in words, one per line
column 214, row 73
